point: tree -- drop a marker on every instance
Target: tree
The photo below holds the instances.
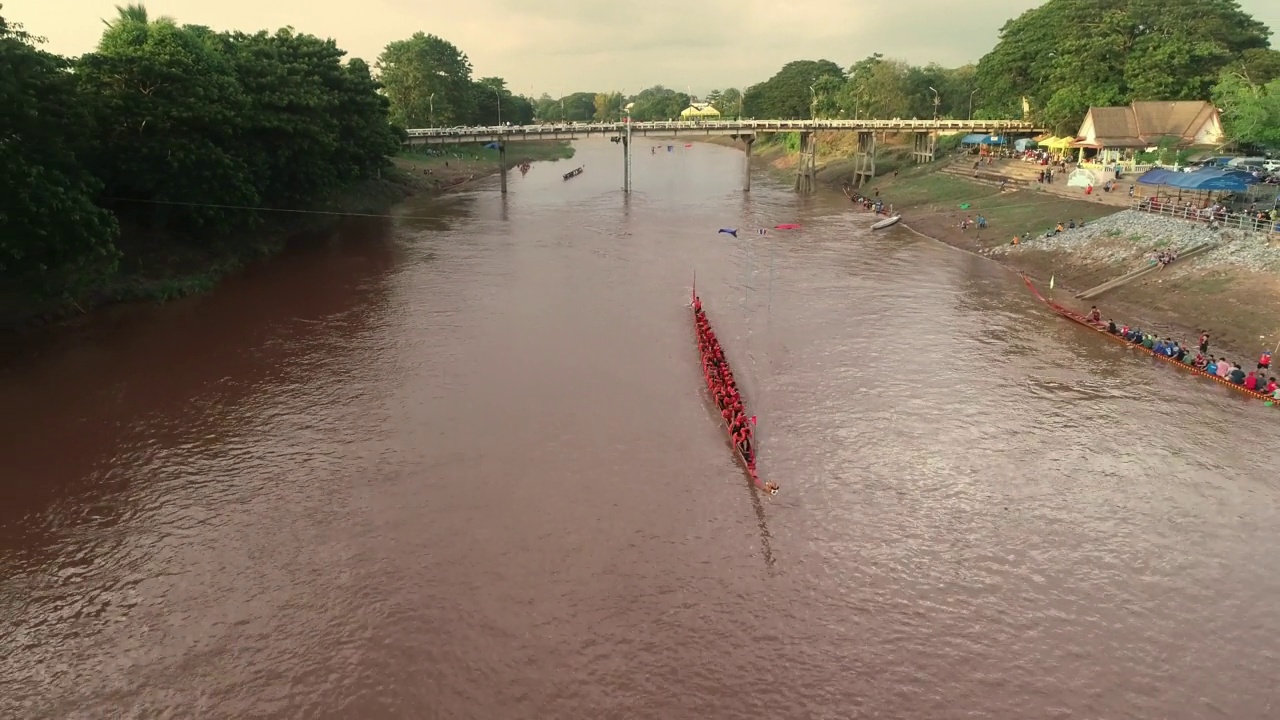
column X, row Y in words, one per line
column 729, row 102
column 659, row 103
column 826, row 92
column 608, row 106
column 1250, row 111
column 167, row 106
column 428, row 80
column 1069, row 54
column 790, row 93
column 53, row 239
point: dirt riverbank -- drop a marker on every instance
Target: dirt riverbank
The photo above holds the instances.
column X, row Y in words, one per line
column 1232, row 292
column 431, row 170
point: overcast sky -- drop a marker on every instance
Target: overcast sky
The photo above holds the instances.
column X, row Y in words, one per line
column 563, row 46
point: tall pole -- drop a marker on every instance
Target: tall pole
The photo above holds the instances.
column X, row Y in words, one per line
column 498, row 95
column 626, row 157
column 975, row 92
column 936, row 102
column 432, row 99
column 813, row 105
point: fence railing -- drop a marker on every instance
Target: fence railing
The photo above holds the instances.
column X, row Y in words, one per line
column 1221, row 219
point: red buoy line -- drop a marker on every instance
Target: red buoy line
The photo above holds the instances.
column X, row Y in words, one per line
column 725, row 393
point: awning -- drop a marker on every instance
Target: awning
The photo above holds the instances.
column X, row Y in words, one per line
column 974, row 139
column 1207, row 179
column 1214, row 179
column 1061, row 143
column 992, row 140
column 1156, row 176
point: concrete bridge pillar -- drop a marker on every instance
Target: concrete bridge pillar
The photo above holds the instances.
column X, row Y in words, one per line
column 925, row 145
column 807, row 169
column 502, row 165
column 626, row 163
column 748, row 141
column 864, row 161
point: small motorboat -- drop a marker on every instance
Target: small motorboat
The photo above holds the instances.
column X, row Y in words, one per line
column 886, row 222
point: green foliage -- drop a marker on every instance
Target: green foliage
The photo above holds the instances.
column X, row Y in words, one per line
column 658, row 103
column 428, row 80
column 1166, row 153
column 791, row 93
column 1250, row 111
column 53, row 239
column 729, row 102
column 1069, row 54
column 609, row 107
column 174, row 133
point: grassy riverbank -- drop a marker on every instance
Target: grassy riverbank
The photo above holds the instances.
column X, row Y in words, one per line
column 433, row 169
column 1232, row 292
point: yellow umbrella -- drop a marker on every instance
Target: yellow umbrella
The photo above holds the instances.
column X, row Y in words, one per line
column 1047, row 142
column 1061, row 143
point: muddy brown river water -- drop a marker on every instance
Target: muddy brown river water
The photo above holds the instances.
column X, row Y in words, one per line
column 459, row 465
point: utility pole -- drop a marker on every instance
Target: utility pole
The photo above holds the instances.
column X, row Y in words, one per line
column 498, row 95
column 432, row 100
column 975, row 91
column 937, row 100
column 813, row 105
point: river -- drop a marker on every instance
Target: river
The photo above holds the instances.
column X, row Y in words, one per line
column 459, row 465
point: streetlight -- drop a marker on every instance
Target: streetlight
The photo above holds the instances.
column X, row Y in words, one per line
column 432, row 99
column 813, row 106
column 498, row 95
column 971, row 102
column 852, row 77
column 936, row 102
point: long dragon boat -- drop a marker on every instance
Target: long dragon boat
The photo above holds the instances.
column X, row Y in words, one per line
column 1101, row 328
column 771, row 488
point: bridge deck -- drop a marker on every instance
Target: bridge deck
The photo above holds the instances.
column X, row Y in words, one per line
column 576, row 131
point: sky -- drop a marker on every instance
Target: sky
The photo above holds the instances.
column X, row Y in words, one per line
column 564, row 46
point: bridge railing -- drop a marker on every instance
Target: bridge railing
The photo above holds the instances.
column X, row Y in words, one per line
column 756, row 125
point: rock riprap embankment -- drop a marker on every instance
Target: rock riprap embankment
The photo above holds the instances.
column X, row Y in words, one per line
column 1132, row 235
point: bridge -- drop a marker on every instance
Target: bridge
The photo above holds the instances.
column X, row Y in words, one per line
column 925, row 131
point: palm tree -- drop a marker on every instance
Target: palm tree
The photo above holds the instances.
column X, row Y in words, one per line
column 133, row 13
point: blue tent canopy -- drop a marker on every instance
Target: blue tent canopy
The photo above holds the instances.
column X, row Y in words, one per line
column 1024, row 144
column 1206, row 179
column 491, row 146
column 992, row 140
column 975, row 139
column 1156, row 176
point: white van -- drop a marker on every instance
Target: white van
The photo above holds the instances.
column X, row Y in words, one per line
column 1251, row 163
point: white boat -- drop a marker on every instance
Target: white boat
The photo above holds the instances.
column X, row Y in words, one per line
column 886, row 222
